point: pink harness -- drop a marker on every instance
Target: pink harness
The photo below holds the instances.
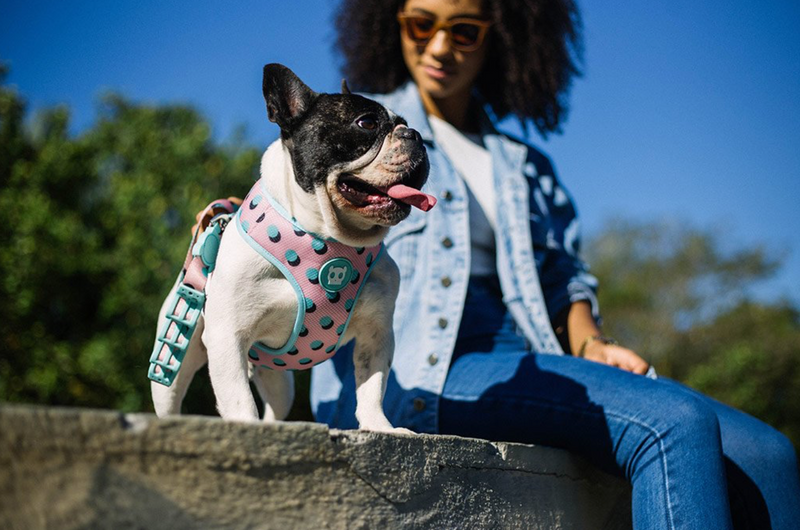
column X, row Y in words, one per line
column 327, row 276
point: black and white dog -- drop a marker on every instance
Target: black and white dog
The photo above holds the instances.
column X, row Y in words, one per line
column 345, row 170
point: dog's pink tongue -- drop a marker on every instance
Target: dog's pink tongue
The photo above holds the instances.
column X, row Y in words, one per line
column 412, row 196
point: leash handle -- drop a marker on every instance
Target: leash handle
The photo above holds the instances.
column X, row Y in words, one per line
column 175, row 334
column 184, row 311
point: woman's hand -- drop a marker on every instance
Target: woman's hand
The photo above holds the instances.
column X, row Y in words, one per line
column 615, row 355
column 585, row 341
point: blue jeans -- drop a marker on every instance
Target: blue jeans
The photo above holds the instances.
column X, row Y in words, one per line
column 692, row 461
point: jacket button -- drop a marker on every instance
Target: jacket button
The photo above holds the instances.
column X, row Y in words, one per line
column 433, row 359
column 446, row 281
column 442, row 323
column 447, row 242
column 448, row 196
column 419, row 404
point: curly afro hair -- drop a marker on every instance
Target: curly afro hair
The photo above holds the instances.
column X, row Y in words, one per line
column 535, row 49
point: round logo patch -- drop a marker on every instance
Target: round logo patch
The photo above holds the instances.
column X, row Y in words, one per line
column 335, row 274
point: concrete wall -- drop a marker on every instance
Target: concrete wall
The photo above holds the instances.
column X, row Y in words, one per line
column 75, row 469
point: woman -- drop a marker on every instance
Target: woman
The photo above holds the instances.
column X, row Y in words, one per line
column 493, row 293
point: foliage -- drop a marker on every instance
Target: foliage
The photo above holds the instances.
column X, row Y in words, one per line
column 659, row 278
column 676, row 296
column 748, row 358
column 96, row 228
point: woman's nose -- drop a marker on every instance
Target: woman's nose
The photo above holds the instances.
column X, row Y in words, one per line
column 440, row 44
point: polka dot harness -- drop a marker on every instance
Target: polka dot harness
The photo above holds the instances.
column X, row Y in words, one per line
column 327, row 276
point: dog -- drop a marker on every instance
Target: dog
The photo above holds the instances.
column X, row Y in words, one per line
column 344, row 171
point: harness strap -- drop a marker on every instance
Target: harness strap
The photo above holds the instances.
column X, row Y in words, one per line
column 205, row 244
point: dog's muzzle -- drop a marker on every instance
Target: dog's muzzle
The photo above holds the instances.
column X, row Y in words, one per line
column 403, row 132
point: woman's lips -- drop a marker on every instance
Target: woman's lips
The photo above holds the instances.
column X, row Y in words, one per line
column 437, row 73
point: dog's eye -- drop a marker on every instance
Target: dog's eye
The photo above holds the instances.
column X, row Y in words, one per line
column 367, row 122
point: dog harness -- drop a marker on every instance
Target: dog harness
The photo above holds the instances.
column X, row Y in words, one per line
column 327, row 276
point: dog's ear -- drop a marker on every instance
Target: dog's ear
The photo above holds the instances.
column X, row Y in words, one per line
column 345, row 88
column 286, row 96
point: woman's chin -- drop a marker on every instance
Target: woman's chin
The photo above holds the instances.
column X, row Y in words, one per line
column 436, row 88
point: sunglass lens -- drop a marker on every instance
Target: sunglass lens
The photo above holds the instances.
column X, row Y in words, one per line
column 465, row 34
column 420, row 29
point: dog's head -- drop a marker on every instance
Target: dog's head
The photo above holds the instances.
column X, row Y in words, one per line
column 350, row 151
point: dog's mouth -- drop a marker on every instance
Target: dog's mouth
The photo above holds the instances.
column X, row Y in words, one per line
column 361, row 194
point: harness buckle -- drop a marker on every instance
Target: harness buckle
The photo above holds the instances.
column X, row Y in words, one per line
column 207, row 245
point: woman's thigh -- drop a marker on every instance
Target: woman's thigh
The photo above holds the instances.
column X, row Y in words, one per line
column 561, row 401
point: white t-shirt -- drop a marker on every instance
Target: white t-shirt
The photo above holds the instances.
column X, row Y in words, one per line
column 474, row 164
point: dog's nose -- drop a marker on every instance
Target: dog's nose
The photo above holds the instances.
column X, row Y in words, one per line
column 405, row 133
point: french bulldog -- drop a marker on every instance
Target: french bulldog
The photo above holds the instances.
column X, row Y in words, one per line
column 305, row 256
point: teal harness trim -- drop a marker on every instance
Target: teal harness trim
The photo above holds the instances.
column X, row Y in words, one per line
column 301, row 305
column 281, row 210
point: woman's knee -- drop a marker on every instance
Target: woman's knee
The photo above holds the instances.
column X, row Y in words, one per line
column 674, row 421
column 685, row 415
column 676, row 430
column 773, row 449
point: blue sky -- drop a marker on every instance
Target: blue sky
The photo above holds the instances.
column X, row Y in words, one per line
column 688, row 111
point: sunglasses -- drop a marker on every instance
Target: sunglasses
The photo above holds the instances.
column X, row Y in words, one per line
column 465, row 34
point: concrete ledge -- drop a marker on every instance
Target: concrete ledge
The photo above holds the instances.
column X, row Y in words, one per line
column 74, row 469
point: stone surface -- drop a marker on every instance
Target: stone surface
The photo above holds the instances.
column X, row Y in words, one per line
column 75, row 469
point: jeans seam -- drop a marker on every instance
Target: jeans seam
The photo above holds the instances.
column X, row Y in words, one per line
column 653, row 430
column 662, row 453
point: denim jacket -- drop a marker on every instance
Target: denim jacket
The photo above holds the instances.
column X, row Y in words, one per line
column 538, row 267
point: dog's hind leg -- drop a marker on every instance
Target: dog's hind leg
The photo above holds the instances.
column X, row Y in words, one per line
column 276, row 390
column 167, row 399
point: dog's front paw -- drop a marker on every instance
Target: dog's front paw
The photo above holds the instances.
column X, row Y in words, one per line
column 386, row 428
column 401, row 430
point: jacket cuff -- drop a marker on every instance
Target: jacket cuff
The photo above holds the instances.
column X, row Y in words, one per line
column 578, row 289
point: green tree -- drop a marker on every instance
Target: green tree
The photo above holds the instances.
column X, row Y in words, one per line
column 748, row 357
column 96, row 230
